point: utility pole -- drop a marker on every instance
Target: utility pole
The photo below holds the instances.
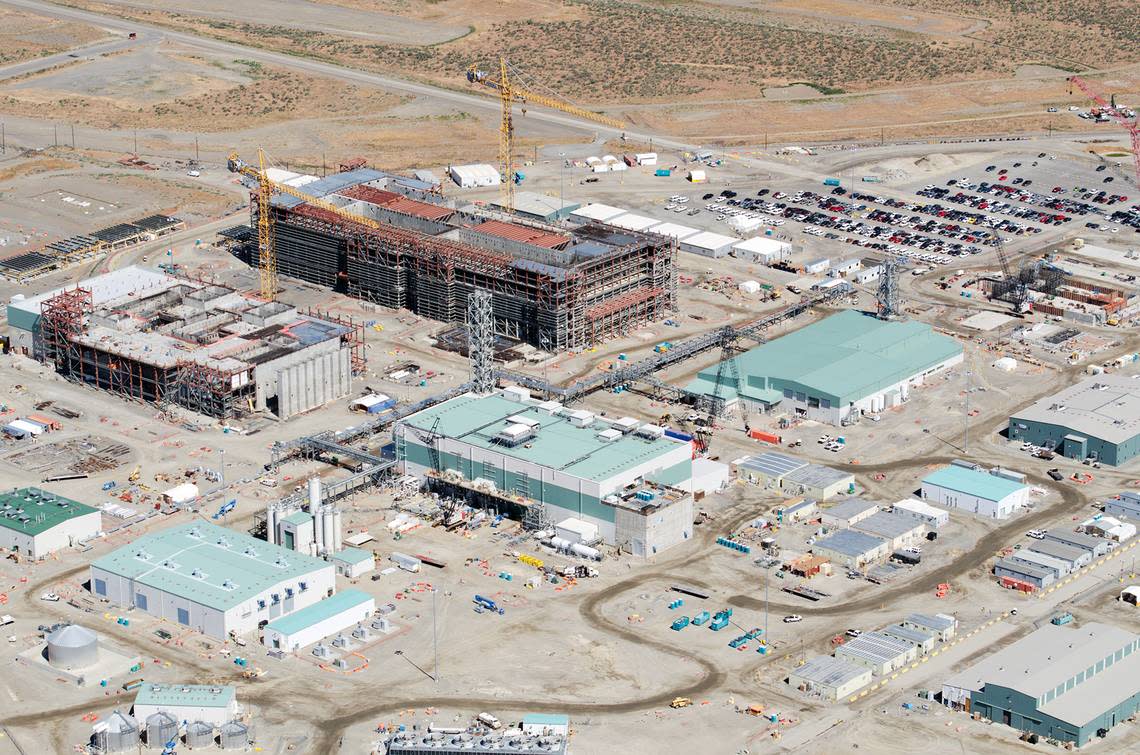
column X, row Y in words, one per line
column 195, row 149
column 3, row 139
column 55, row 134
column 136, row 153
column 561, row 183
column 966, row 418
column 435, row 633
column 73, row 136
column 767, row 579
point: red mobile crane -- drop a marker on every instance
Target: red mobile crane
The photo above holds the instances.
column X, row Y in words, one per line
column 1110, row 108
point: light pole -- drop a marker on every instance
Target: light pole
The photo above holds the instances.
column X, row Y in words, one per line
column 435, row 634
column 561, row 182
column 767, row 579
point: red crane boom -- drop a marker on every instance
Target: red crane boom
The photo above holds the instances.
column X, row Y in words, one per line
column 1130, row 124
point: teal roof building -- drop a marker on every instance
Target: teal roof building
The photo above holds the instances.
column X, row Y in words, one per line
column 210, row 578
column 36, row 523
column 514, row 452
column 845, row 364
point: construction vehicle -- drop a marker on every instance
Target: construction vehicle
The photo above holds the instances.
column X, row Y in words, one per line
column 510, row 92
column 135, row 473
column 680, row 702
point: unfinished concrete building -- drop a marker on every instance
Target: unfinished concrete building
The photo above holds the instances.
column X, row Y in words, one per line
column 552, row 288
column 167, row 340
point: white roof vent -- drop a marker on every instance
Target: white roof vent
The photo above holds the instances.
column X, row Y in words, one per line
column 609, row 436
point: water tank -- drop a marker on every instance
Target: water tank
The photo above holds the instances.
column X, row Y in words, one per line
column 119, row 733
column 160, row 729
column 72, row 647
column 235, row 736
column 199, row 734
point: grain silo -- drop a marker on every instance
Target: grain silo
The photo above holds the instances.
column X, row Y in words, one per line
column 72, row 647
column 235, row 736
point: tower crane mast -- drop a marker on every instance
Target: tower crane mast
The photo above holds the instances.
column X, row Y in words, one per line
column 511, row 92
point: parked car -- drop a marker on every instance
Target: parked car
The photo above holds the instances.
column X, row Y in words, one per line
column 793, row 619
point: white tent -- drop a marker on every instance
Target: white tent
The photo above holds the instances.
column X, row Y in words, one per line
column 179, row 494
column 1005, row 364
column 474, row 176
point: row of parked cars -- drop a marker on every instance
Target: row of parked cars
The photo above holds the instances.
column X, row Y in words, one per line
column 996, row 204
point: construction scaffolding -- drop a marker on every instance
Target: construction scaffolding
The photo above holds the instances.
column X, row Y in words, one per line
column 549, row 288
column 481, row 341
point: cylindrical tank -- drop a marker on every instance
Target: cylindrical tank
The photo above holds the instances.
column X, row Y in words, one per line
column 271, row 523
column 337, row 543
column 72, row 647
column 585, row 551
column 327, row 536
column 199, row 734
column 314, row 493
column 160, row 729
column 235, row 736
column 119, row 733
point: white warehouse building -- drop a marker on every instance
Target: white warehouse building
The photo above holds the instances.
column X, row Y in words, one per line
column 211, row 579
column 975, row 491
column 507, row 451
column 345, row 610
column 931, row 516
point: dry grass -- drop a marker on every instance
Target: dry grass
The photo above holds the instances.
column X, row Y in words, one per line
column 272, row 95
column 24, row 36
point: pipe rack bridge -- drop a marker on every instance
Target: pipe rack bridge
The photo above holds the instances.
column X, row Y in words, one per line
column 641, row 371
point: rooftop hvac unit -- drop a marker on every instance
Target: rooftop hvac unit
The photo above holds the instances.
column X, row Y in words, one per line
column 609, row 436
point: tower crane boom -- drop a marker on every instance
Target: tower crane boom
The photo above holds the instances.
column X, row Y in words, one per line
column 509, row 93
column 1130, row 124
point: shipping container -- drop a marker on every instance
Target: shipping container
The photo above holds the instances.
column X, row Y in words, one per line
column 766, row 437
column 405, row 562
column 831, row 182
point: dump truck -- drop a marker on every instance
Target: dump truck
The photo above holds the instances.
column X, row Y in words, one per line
column 680, row 702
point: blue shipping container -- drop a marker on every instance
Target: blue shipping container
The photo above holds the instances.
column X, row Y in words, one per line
column 677, row 435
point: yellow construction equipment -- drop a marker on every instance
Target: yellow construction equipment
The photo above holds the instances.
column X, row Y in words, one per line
column 266, row 251
column 509, row 93
column 134, row 476
column 680, row 702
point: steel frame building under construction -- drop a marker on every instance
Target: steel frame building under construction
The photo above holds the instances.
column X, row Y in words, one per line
column 173, row 341
column 552, row 288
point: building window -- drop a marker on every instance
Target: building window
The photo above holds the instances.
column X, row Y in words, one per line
column 1119, row 654
column 788, row 393
column 1069, row 685
column 801, row 397
column 100, row 587
column 183, row 616
column 140, row 601
column 825, row 403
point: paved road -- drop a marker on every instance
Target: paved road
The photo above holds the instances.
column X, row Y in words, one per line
column 90, row 51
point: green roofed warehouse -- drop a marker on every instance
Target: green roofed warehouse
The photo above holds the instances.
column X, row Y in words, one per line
column 513, row 453
column 837, row 368
column 210, row 578
column 35, row 523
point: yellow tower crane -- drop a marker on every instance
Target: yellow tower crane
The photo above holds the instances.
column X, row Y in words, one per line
column 266, row 251
column 510, row 93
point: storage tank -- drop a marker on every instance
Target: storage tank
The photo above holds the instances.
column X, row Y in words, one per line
column 72, row 647
column 327, row 523
column 119, row 733
column 235, row 736
column 199, row 734
column 160, row 729
column 338, row 544
column 271, row 524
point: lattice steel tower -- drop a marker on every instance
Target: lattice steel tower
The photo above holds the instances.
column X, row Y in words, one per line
column 888, row 296
column 481, row 340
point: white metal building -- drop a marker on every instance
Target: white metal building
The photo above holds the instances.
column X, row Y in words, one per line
column 674, row 231
column 211, row 579
column 975, row 491
column 849, row 548
column 475, row 175
column 708, row 244
column 931, row 516
column 898, row 531
column 632, row 222
column 762, row 249
column 35, row 523
column 830, row 678
column 817, row 266
column 353, row 562
column 213, row 704
column 923, row 640
column 943, row 625
column 331, row 616
column 603, row 213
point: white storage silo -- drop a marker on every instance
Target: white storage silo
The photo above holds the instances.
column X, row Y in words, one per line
column 73, row 647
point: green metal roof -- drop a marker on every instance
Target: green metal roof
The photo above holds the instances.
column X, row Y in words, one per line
column 354, row 556
column 43, row 510
column 298, row 518
column 972, row 482
column 558, row 445
column 167, row 560
column 546, row 719
column 844, row 358
column 196, row 695
column 318, row 612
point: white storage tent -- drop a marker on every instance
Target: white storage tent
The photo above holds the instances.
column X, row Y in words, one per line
column 708, row 244
column 762, row 249
column 601, row 212
column 744, row 223
column 179, row 494
column 632, row 222
column 678, row 232
column 475, row 175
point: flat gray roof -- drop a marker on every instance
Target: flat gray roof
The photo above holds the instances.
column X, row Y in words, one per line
column 1052, row 655
column 874, row 646
column 909, row 634
column 937, row 622
column 1020, row 567
column 772, row 464
column 850, row 507
column 850, row 543
column 1077, row 539
column 816, row 476
column 830, row 672
column 888, row 525
column 1103, row 406
column 1069, row 553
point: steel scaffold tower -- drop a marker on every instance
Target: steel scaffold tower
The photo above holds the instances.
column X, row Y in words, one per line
column 481, row 340
column 888, row 294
